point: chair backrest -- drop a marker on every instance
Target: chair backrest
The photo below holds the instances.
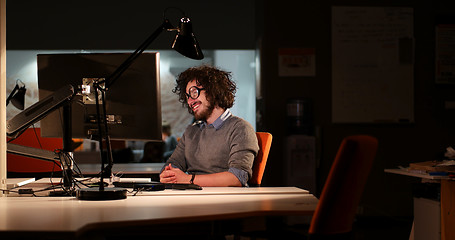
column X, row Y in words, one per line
column 264, row 141
column 22, row 165
column 341, row 194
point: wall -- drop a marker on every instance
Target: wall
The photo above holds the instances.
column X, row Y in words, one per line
column 306, row 24
column 22, row 64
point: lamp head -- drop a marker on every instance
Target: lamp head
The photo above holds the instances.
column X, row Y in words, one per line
column 18, row 100
column 185, row 42
column 17, row 96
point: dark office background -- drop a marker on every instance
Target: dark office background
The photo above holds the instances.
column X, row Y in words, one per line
column 267, row 26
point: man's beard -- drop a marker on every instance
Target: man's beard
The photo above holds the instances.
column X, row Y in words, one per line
column 203, row 115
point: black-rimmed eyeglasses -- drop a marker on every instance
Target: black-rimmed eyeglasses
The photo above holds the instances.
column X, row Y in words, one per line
column 194, row 92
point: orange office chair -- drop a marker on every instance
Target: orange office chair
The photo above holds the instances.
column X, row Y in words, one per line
column 265, row 142
column 335, row 212
column 21, row 166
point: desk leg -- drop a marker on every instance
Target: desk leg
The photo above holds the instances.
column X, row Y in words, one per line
column 447, row 209
column 411, row 235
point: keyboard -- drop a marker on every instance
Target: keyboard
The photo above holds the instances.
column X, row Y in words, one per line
column 182, row 186
column 156, row 186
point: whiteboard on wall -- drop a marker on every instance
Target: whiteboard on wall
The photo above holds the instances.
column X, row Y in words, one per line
column 372, row 65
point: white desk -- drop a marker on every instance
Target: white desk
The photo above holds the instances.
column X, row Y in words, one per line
column 414, row 174
column 69, row 217
column 447, row 200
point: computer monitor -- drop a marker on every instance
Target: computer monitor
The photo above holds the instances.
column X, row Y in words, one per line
column 133, row 101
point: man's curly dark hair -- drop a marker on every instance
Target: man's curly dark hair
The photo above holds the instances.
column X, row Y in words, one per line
column 219, row 88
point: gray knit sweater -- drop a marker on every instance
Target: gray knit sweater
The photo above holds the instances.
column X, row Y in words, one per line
column 205, row 149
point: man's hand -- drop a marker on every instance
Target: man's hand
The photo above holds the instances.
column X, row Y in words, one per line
column 221, row 179
column 174, row 175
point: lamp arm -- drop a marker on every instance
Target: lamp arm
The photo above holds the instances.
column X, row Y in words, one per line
column 32, row 152
column 126, row 64
column 39, row 110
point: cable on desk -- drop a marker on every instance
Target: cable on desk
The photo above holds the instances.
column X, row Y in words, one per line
column 83, row 182
column 138, row 190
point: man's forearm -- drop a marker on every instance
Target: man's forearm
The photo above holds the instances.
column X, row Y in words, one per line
column 222, row 179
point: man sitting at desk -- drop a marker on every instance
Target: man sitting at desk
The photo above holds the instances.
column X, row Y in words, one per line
column 219, row 148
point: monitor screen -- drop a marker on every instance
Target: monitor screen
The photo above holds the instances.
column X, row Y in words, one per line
column 133, row 102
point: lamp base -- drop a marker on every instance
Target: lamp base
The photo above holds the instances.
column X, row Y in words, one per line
column 95, row 194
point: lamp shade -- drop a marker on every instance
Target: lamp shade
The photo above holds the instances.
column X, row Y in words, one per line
column 18, row 99
column 185, row 42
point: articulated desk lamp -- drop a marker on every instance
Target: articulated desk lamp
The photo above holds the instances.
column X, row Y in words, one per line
column 185, row 43
column 17, row 96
